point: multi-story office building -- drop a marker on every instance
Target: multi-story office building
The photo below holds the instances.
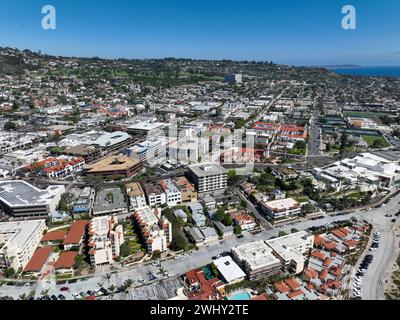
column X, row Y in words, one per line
column 18, row 242
column 147, row 129
column 234, row 78
column 208, row 177
column 151, row 151
column 115, row 166
column 23, row 200
column 106, row 237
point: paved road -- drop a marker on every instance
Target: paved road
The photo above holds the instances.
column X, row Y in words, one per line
column 314, row 142
column 379, row 270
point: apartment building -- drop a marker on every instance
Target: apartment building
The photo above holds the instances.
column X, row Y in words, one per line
column 23, row 200
column 137, row 197
column 283, row 209
column 18, row 242
column 257, row 259
column 290, row 249
column 85, row 201
column 106, row 237
column 188, row 192
column 56, row 167
column 172, row 192
column 156, row 230
column 154, row 193
column 208, row 177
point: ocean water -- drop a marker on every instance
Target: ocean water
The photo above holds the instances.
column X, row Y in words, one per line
column 371, row 71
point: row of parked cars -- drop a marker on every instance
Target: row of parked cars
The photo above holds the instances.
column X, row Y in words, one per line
column 185, row 255
column 358, row 283
column 96, row 293
column 375, row 241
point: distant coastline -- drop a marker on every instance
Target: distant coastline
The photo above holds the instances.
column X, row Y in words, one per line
column 389, row 71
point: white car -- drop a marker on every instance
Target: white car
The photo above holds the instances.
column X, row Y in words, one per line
column 76, row 296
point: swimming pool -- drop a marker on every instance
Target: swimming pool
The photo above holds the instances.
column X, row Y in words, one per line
column 240, row 296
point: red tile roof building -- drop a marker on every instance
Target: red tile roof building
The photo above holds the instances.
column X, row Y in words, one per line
column 282, row 131
column 199, row 288
column 54, row 236
column 66, row 260
column 75, row 234
column 38, row 259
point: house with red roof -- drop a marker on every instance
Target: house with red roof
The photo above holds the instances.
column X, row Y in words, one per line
column 199, row 286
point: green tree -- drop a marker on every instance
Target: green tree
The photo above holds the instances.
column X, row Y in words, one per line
column 124, row 249
column 227, row 220
column 9, row 273
column 214, row 270
column 237, row 229
column 10, row 126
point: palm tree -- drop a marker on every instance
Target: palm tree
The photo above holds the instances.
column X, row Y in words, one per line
column 162, row 272
column 112, row 290
column 108, row 277
column 127, row 285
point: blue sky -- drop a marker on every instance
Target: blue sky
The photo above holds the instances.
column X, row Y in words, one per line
column 300, row 32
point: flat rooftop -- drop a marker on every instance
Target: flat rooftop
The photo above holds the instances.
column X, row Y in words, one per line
column 134, row 189
column 282, row 204
column 147, row 126
column 110, row 139
column 20, row 193
column 19, row 232
column 204, row 170
column 229, row 269
column 104, row 202
column 256, row 254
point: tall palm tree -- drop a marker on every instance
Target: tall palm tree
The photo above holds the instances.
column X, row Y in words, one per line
column 108, row 277
column 161, row 271
column 127, row 285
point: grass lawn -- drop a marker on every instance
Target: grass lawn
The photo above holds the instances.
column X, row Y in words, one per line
column 355, row 195
column 371, row 139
